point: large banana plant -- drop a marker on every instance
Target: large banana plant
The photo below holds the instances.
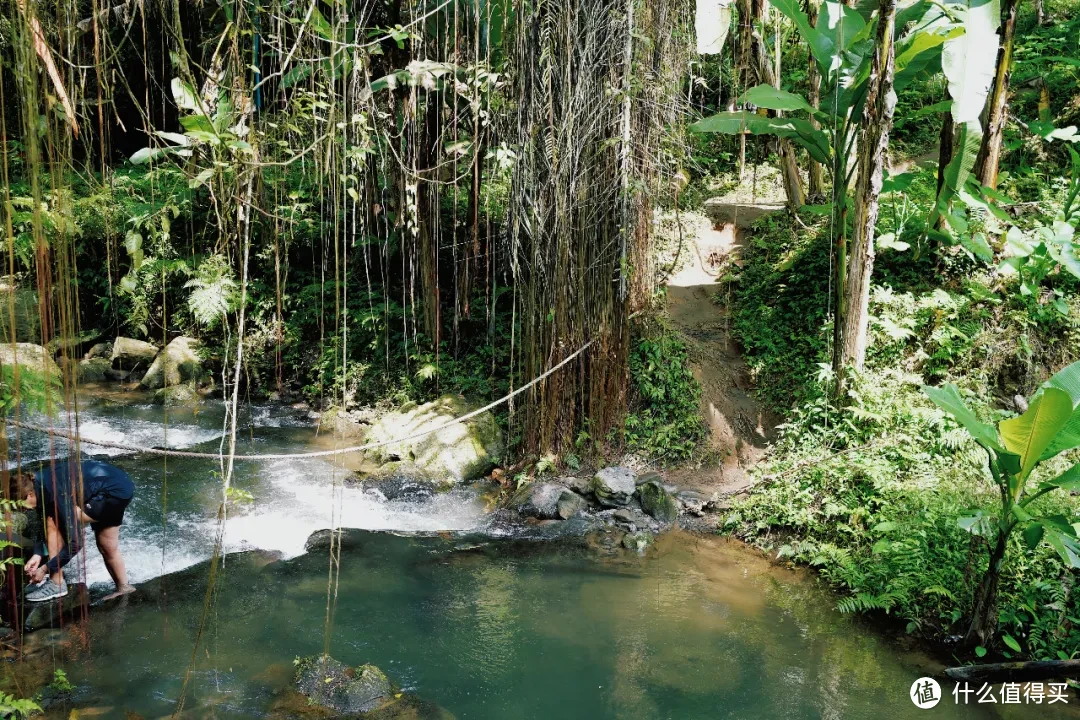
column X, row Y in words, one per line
column 969, row 62
column 1016, row 449
column 841, row 45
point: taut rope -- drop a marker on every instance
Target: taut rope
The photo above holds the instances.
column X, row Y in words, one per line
column 75, row 437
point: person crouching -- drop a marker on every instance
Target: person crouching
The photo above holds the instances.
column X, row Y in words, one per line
column 55, row 492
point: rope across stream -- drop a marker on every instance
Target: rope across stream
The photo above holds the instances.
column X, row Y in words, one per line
column 75, row 437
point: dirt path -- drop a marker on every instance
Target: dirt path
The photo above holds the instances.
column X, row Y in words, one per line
column 739, row 427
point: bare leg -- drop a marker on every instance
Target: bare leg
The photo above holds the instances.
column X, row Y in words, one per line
column 108, row 542
column 55, row 541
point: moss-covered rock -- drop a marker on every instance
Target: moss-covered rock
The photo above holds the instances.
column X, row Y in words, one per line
column 637, row 540
column 92, row 370
column 657, row 502
column 462, row 451
column 177, row 396
column 339, row 688
column 178, row 362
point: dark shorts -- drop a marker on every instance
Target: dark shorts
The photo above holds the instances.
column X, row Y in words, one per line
column 106, row 510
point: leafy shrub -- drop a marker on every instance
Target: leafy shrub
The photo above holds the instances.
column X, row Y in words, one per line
column 666, row 422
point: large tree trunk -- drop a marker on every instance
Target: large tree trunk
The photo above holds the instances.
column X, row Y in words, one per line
column 876, row 121
column 815, row 172
column 751, row 13
column 984, row 616
column 986, row 165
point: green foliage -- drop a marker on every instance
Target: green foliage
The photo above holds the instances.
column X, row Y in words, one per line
column 780, row 309
column 870, row 492
column 213, row 291
column 1019, row 445
column 12, row 707
column 60, row 682
column 665, row 422
column 33, row 389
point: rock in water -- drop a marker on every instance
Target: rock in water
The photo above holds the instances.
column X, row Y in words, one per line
column 129, row 354
column 637, row 540
column 177, row 396
column 92, row 370
column 538, row 499
column 339, row 688
column 29, row 356
column 613, row 486
column 54, row 613
column 657, row 502
column 463, row 451
column 547, row 501
column 177, row 363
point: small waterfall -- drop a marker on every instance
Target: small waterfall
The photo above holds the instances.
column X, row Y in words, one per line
column 290, row 498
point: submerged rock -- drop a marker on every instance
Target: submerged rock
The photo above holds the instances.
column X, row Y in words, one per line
column 613, row 486
column 129, row 354
column 336, row 687
column 547, row 501
column 463, row 451
column 178, row 362
column 657, row 502
column 637, row 540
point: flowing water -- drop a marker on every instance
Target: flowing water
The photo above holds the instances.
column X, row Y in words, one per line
column 484, row 625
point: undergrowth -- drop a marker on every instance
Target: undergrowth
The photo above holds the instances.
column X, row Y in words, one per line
column 869, row 491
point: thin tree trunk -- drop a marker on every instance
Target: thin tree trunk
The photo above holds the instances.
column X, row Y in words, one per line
column 945, row 149
column 984, row 615
column 876, row 121
column 815, row 172
column 986, row 165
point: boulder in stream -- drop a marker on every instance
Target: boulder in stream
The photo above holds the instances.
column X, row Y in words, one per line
column 130, row 354
column 93, row 370
column 637, row 540
column 460, row 452
column 177, row 396
column 547, row 501
column 178, row 362
column 613, row 486
column 327, row 687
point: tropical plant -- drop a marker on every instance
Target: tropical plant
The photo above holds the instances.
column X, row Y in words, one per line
column 13, row 707
column 843, row 46
column 1015, row 449
column 213, row 291
column 1037, row 254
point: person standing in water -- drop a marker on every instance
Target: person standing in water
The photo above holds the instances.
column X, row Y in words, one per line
column 56, row 491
